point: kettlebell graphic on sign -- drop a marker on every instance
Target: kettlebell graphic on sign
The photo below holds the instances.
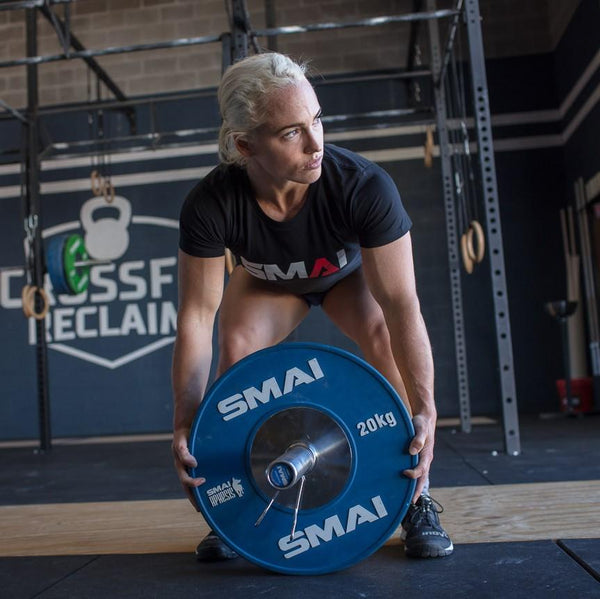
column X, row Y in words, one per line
column 107, row 237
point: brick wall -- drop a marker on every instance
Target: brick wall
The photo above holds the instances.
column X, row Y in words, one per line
column 511, row 27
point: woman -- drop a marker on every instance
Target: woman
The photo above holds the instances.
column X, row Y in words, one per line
column 311, row 225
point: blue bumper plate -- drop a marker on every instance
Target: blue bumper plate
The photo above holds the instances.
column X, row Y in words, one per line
column 321, row 420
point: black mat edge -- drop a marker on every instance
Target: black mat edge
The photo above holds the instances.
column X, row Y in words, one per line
column 580, row 560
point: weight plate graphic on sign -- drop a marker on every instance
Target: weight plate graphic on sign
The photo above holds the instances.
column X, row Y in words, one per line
column 303, row 438
column 67, row 262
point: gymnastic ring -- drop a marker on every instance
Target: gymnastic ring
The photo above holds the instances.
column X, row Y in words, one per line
column 428, row 147
column 476, row 229
column 24, row 302
column 464, row 250
column 28, row 298
column 109, row 191
column 470, row 247
column 98, row 184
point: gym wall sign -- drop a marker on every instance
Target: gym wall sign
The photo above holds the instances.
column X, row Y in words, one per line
column 127, row 308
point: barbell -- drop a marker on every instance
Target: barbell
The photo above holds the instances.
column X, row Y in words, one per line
column 302, row 446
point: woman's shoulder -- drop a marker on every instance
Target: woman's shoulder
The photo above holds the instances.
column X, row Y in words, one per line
column 349, row 168
column 224, row 183
column 344, row 159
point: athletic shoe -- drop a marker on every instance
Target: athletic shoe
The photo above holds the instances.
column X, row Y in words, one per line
column 422, row 532
column 213, row 549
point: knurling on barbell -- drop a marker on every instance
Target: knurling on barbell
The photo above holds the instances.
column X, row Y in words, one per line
column 302, row 447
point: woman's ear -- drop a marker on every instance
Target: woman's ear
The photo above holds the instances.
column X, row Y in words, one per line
column 243, row 145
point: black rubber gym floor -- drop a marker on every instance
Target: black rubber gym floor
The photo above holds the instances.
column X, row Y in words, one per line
column 554, row 449
column 533, row 569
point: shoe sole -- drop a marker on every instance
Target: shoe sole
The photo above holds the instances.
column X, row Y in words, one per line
column 212, row 549
column 424, row 553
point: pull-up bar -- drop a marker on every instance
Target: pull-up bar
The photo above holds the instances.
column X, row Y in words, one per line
column 178, row 43
column 30, row 4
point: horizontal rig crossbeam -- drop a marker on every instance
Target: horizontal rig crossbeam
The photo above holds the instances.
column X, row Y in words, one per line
column 371, row 22
column 114, row 50
column 31, row 4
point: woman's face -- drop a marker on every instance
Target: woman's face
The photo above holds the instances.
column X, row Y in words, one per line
column 288, row 147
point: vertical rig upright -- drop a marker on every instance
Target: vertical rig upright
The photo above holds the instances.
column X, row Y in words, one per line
column 35, row 257
column 487, row 173
column 451, row 235
column 234, row 43
column 239, row 30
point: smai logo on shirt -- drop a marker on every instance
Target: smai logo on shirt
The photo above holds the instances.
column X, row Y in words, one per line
column 321, row 267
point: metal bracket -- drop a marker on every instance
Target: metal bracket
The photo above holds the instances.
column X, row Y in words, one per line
column 452, row 239
column 13, row 111
column 63, row 30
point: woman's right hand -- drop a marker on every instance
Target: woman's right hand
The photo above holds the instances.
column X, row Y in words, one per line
column 183, row 460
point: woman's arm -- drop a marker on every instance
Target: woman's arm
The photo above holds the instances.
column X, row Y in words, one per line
column 201, row 283
column 389, row 270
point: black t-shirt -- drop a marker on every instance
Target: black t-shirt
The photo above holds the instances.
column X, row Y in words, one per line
column 353, row 204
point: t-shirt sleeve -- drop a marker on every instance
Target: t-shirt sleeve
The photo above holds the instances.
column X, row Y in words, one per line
column 379, row 215
column 202, row 224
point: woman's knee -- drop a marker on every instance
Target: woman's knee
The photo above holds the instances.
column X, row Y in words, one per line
column 234, row 346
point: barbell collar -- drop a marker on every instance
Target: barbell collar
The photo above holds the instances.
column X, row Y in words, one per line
column 285, row 471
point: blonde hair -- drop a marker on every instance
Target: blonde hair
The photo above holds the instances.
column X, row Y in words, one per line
column 243, row 95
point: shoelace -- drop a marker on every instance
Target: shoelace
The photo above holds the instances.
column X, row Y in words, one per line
column 438, row 508
column 429, row 506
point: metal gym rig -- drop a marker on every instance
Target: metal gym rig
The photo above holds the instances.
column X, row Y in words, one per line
column 235, row 44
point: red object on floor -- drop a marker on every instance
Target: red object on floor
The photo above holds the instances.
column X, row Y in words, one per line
column 581, row 395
